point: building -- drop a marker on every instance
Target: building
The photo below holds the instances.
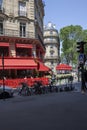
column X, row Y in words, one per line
column 52, row 44
column 21, row 35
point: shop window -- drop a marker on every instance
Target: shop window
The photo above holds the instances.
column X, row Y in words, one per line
column 1, row 27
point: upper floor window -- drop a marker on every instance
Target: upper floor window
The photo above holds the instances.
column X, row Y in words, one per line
column 1, row 4
column 51, row 32
column 22, row 9
column 51, row 46
column 51, row 53
column 1, row 27
column 22, row 29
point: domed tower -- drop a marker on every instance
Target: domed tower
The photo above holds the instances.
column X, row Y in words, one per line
column 52, row 45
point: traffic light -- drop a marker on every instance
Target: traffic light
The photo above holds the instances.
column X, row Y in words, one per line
column 80, row 47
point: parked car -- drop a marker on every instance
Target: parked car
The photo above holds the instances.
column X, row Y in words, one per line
column 7, row 92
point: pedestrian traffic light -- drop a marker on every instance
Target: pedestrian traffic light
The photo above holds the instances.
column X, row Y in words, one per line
column 79, row 67
column 80, row 47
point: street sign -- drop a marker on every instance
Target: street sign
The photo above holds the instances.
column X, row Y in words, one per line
column 81, row 58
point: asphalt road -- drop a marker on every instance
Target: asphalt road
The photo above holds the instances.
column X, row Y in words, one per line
column 53, row 111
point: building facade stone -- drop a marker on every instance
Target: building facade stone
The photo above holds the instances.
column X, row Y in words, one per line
column 21, row 24
column 52, row 44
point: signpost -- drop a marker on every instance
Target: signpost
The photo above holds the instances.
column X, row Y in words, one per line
column 81, row 58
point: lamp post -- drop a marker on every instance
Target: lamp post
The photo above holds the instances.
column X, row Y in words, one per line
column 3, row 74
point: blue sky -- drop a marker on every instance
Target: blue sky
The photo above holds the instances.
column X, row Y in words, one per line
column 66, row 12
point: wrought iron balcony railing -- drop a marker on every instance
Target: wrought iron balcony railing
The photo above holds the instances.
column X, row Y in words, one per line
column 50, row 41
column 51, row 57
column 16, row 33
column 22, row 13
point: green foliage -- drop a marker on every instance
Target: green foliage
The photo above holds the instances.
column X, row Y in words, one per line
column 69, row 36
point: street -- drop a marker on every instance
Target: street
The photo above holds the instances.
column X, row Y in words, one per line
column 53, row 111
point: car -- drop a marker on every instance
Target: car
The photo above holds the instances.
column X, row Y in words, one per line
column 6, row 92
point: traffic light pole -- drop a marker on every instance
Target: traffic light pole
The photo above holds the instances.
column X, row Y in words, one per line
column 3, row 75
column 83, row 85
column 80, row 49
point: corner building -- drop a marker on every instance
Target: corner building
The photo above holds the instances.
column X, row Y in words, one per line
column 52, row 44
column 21, row 35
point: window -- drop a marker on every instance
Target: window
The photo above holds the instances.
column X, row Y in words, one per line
column 51, row 62
column 51, row 53
column 22, row 8
column 23, row 29
column 51, row 46
column 1, row 27
column 0, row 4
column 51, row 32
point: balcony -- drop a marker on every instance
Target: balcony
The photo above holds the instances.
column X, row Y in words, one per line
column 49, row 40
column 22, row 13
column 51, row 57
column 52, row 50
column 16, row 33
column 49, row 34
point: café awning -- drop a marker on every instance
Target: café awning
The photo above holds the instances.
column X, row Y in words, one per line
column 24, row 45
column 43, row 67
column 63, row 67
column 18, row 63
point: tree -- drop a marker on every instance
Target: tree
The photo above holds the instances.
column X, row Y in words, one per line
column 69, row 36
column 85, row 39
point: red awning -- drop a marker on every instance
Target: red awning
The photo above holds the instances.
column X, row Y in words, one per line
column 4, row 44
column 18, row 45
column 63, row 67
column 43, row 67
column 18, row 63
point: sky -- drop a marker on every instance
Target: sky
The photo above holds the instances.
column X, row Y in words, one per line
column 66, row 12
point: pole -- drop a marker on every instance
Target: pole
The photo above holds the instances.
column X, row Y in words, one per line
column 3, row 75
column 82, row 58
column 78, row 76
column 83, row 86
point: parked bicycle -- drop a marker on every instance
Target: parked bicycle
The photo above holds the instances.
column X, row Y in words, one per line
column 24, row 90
